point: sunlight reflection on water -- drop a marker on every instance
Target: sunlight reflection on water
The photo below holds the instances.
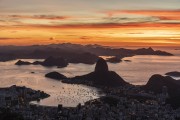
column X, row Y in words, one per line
column 138, row 71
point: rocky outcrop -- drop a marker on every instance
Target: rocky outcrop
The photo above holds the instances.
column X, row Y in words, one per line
column 55, row 61
column 55, row 75
column 101, row 66
column 102, row 76
column 20, row 62
column 173, row 74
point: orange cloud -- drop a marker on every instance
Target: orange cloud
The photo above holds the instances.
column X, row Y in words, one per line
column 114, row 32
column 47, row 17
column 111, row 25
column 162, row 14
column 133, row 35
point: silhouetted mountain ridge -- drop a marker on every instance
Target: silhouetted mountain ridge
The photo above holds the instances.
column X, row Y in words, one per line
column 71, row 51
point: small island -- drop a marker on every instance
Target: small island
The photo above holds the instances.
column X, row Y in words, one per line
column 127, row 60
column 55, row 75
column 49, row 62
column 114, row 60
column 173, row 74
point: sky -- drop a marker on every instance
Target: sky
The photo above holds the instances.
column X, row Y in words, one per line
column 105, row 22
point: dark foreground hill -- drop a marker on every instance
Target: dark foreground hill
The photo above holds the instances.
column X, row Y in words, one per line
column 156, row 84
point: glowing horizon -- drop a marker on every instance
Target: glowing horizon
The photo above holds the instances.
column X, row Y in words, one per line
column 118, row 23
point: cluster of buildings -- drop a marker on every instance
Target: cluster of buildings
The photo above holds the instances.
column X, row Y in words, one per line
column 18, row 96
column 17, row 100
column 125, row 103
column 129, row 110
column 120, row 105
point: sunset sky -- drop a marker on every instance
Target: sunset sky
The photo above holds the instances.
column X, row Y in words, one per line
column 105, row 22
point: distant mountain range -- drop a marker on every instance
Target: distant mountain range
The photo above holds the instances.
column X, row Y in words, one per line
column 74, row 53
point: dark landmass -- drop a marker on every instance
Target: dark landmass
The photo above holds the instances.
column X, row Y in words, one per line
column 49, row 62
column 159, row 84
column 110, row 100
column 54, row 61
column 114, row 60
column 6, row 57
column 101, row 76
column 6, row 114
column 150, row 51
column 15, row 102
column 127, row 60
column 20, row 62
column 73, row 53
column 113, row 100
column 27, row 93
column 173, row 74
column 55, row 75
column 86, row 58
